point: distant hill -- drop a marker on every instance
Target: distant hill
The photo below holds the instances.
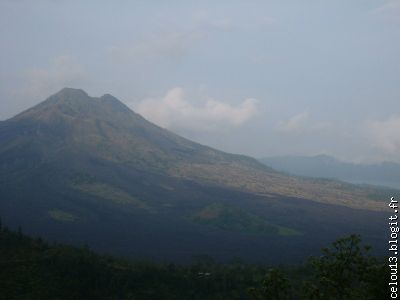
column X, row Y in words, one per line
column 87, row 170
column 323, row 166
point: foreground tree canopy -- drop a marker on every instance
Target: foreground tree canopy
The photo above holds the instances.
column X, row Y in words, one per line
column 345, row 270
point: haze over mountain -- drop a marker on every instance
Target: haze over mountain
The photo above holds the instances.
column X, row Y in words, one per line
column 286, row 77
column 385, row 173
column 89, row 170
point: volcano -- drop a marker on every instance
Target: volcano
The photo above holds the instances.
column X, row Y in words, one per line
column 86, row 170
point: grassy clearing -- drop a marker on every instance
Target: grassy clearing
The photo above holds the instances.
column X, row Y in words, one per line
column 234, row 219
column 110, row 193
column 62, row 216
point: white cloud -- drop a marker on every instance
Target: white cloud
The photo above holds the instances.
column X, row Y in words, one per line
column 385, row 134
column 174, row 111
column 294, row 124
column 39, row 83
column 302, row 123
column 389, row 11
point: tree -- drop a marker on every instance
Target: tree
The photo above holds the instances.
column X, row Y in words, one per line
column 345, row 270
column 275, row 286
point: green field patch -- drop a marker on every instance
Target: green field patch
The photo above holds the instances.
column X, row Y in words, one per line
column 110, row 193
column 234, row 219
column 62, row 216
column 286, row 231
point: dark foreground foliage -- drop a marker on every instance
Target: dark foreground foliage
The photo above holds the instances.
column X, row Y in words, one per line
column 345, row 270
column 33, row 269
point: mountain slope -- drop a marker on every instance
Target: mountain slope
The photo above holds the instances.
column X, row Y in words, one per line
column 71, row 124
column 384, row 174
column 106, row 128
column 89, row 170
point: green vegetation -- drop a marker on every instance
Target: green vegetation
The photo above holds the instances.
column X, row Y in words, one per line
column 285, row 231
column 110, row 193
column 345, row 271
column 32, row 269
column 234, row 219
column 63, row 216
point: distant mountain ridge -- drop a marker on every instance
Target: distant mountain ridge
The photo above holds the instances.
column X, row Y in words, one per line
column 81, row 169
column 324, row 166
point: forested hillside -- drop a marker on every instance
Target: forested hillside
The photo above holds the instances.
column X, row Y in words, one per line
column 33, row 269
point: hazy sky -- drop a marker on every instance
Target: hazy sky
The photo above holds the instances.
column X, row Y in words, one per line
column 255, row 77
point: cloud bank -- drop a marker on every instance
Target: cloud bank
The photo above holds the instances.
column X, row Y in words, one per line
column 174, row 111
column 389, row 11
column 294, row 124
column 385, row 134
